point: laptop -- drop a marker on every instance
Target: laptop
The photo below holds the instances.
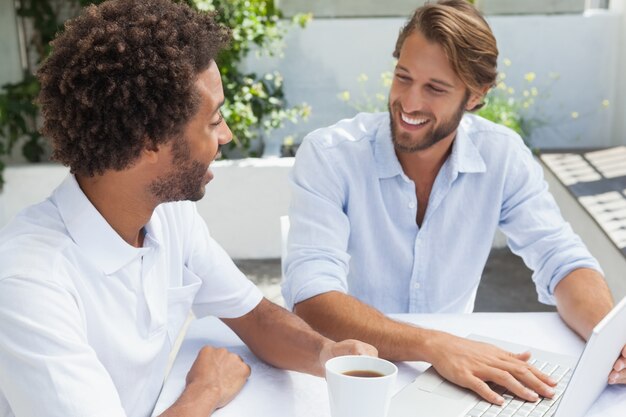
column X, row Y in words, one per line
column 580, row 382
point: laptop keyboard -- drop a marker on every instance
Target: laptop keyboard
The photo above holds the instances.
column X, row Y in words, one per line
column 516, row 407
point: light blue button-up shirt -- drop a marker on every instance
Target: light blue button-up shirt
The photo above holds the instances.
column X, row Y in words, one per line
column 353, row 219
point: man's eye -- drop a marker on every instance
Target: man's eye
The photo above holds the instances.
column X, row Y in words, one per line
column 436, row 90
column 219, row 120
column 402, row 78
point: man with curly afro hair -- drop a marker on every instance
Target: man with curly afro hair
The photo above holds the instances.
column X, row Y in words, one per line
column 97, row 280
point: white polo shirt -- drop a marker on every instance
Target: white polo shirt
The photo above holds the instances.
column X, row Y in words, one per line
column 87, row 321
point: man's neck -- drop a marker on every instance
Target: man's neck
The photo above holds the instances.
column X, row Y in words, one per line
column 422, row 167
column 122, row 201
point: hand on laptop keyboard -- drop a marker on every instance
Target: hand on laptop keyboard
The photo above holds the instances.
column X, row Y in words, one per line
column 472, row 365
column 515, row 407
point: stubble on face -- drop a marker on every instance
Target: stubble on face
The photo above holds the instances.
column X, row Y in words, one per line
column 185, row 181
column 406, row 142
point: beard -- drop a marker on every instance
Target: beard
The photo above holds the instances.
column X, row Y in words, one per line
column 405, row 142
column 186, row 181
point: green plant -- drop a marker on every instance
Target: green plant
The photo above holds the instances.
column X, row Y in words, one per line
column 18, row 110
column 362, row 100
column 503, row 107
column 18, row 116
column 521, row 109
column 254, row 103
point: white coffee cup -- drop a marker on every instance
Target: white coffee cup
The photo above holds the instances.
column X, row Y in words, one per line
column 360, row 396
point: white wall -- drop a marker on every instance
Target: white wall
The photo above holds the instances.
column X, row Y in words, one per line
column 619, row 125
column 529, row 6
column 372, row 8
column 242, row 205
column 27, row 184
column 244, row 202
column 327, row 57
column 349, row 8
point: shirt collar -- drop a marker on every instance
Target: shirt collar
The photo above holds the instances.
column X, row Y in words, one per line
column 387, row 164
column 90, row 231
column 464, row 157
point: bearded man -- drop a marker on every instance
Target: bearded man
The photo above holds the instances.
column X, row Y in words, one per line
column 396, row 212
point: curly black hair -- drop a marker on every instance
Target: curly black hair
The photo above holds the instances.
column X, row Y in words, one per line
column 121, row 79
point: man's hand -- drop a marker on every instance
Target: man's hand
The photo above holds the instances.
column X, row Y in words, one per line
column 214, row 379
column 618, row 374
column 346, row 347
column 471, row 364
column 219, row 371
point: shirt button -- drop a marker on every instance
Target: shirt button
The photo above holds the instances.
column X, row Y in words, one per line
column 416, row 286
column 412, row 204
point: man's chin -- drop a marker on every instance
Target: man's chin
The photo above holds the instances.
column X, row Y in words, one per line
column 195, row 194
column 198, row 195
column 408, row 145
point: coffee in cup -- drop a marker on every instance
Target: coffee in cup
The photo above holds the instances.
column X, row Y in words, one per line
column 364, row 374
column 360, row 385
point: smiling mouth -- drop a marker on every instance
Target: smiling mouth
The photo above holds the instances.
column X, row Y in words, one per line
column 413, row 121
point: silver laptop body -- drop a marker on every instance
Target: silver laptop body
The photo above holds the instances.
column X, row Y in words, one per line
column 580, row 381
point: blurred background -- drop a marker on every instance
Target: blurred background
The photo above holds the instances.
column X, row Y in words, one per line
column 297, row 65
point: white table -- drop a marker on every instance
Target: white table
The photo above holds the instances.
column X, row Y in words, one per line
column 278, row 393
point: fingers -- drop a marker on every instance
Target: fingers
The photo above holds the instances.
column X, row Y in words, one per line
column 221, row 360
column 480, row 362
column 545, row 378
column 617, row 378
column 530, row 379
column 539, row 381
column 353, row 347
column 356, row 347
column 346, row 347
column 618, row 374
column 482, row 388
column 225, row 372
column 620, row 364
column 508, row 381
column 524, row 356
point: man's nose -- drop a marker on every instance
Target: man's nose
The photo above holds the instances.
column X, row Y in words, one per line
column 413, row 100
column 225, row 134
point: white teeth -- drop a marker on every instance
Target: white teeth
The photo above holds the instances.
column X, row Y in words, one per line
column 411, row 120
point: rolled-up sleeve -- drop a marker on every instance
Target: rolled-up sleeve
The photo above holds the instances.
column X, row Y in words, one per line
column 317, row 260
column 535, row 228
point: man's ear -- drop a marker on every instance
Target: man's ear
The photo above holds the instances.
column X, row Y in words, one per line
column 151, row 152
column 476, row 100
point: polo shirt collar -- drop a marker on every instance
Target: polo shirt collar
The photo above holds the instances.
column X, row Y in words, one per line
column 464, row 157
column 90, row 231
